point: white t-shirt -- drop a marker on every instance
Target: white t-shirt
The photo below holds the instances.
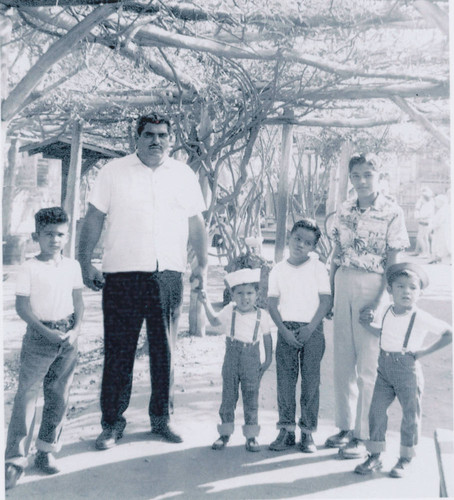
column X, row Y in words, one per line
column 49, row 285
column 147, row 213
column 395, row 327
column 298, row 288
column 244, row 323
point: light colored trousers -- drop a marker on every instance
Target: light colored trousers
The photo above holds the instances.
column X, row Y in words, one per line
column 356, row 350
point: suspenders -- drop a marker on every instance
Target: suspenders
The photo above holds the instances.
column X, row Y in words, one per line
column 256, row 329
column 407, row 334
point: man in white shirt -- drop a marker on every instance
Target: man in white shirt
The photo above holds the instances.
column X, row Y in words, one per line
column 152, row 206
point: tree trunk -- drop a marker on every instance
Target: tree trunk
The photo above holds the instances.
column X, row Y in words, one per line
column 282, row 193
column 9, row 179
column 71, row 203
column 342, row 184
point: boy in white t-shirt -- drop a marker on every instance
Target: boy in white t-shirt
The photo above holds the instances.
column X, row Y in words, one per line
column 299, row 298
column 244, row 325
column 402, row 334
column 49, row 299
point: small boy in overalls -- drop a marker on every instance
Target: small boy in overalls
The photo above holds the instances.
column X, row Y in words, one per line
column 402, row 334
column 245, row 325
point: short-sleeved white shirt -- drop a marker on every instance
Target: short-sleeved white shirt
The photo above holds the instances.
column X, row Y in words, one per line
column 299, row 288
column 49, row 285
column 244, row 323
column 395, row 327
column 147, row 213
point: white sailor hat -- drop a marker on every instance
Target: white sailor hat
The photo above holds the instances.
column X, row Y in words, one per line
column 243, row 276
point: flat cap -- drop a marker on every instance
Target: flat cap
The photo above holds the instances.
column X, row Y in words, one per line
column 408, row 266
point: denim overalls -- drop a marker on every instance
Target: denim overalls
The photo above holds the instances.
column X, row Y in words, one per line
column 398, row 374
column 241, row 364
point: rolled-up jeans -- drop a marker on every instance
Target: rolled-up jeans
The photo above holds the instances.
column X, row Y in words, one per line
column 241, row 366
column 290, row 361
column 398, row 375
column 53, row 363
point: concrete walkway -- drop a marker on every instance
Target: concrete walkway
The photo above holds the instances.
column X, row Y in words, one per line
column 141, row 467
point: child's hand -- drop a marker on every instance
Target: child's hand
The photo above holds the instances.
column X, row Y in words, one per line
column 53, row 335
column 201, row 295
column 73, row 334
column 289, row 337
column 366, row 317
column 304, row 334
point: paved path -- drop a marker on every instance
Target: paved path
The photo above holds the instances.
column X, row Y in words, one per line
column 141, row 467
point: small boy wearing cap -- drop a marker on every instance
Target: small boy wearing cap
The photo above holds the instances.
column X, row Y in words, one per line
column 244, row 325
column 402, row 334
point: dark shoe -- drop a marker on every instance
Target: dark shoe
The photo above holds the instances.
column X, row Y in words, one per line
column 354, row 449
column 252, row 445
column 338, row 440
column 13, row 473
column 400, row 469
column 108, row 439
column 167, row 433
column 284, row 441
column 307, row 443
column 220, row 443
column 45, row 462
column 372, row 464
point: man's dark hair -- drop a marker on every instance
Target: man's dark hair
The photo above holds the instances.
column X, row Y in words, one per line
column 359, row 159
column 51, row 215
column 155, row 118
column 308, row 224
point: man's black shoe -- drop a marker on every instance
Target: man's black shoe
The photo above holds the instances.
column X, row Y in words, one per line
column 338, row 440
column 13, row 473
column 108, row 439
column 307, row 443
column 167, row 433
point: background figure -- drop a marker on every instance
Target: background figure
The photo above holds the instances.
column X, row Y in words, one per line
column 424, row 211
column 440, row 229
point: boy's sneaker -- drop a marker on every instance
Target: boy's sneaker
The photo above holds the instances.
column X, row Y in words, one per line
column 284, row 441
column 252, row 445
column 354, row 449
column 220, row 442
column 307, row 443
column 338, row 440
column 13, row 473
column 46, row 462
column 400, row 468
column 372, row 464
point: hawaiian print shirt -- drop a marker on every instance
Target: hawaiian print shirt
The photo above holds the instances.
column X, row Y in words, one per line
column 365, row 237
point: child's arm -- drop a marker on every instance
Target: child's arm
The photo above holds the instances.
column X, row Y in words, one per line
column 323, row 308
column 445, row 339
column 211, row 315
column 287, row 334
column 78, row 314
column 268, row 344
column 25, row 312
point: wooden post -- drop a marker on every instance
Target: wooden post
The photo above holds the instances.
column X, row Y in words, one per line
column 9, row 182
column 342, row 183
column 283, row 188
column 71, row 203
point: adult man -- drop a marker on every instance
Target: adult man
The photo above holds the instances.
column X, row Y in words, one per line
column 153, row 205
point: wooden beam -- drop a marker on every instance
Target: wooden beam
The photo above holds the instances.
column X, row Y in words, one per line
column 71, row 203
column 433, row 14
column 415, row 115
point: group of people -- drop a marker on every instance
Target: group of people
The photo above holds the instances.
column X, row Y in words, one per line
column 433, row 215
column 150, row 206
